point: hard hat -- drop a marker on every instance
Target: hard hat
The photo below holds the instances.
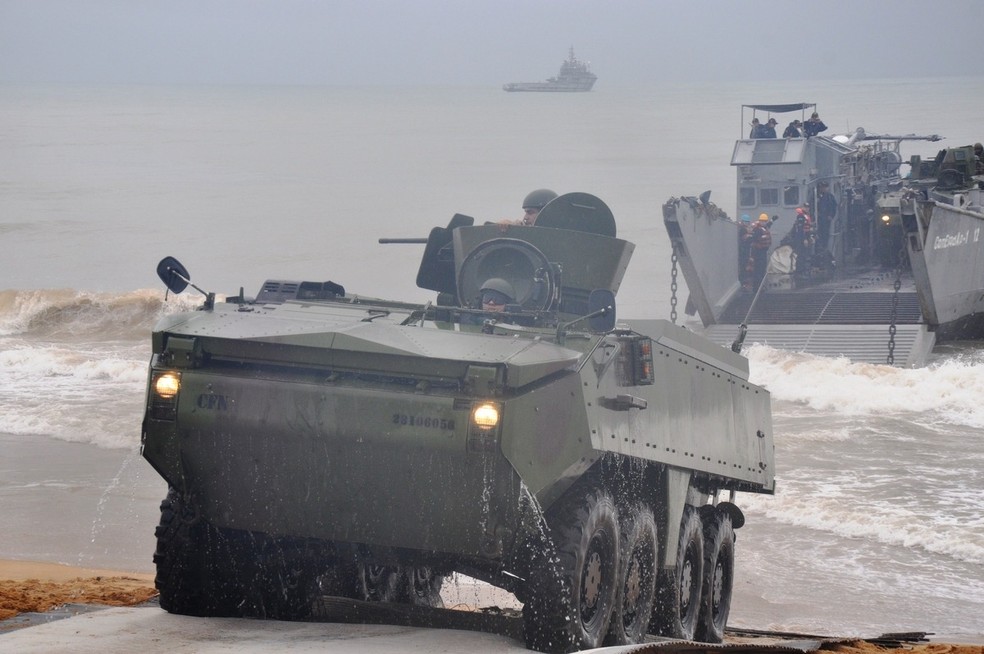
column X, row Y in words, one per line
column 745, row 218
column 500, row 287
column 763, row 217
column 538, row 199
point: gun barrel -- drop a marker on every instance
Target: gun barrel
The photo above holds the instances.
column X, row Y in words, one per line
column 403, row 240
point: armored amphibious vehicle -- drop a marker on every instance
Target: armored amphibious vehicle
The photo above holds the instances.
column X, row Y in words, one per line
column 318, row 442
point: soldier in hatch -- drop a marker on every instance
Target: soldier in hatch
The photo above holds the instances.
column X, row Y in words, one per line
column 496, row 293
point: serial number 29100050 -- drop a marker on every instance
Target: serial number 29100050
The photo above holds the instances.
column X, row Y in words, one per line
column 428, row 422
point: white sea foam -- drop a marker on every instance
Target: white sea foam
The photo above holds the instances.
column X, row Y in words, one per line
column 73, row 364
column 959, row 537
column 949, row 389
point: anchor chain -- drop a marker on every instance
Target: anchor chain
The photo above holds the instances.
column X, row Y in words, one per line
column 890, row 359
column 673, row 286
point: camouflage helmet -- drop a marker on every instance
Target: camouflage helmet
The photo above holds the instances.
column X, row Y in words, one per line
column 502, row 289
column 538, row 199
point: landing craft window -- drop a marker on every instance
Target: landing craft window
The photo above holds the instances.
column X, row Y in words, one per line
column 746, row 196
column 791, row 196
column 768, row 196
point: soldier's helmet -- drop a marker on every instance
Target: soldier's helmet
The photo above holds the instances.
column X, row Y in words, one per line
column 538, row 199
column 498, row 290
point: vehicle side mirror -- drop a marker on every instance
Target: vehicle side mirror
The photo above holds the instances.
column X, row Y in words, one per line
column 173, row 274
column 601, row 308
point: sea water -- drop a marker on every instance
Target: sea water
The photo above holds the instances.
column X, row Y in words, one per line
column 876, row 523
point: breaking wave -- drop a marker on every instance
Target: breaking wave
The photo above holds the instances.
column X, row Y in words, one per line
column 73, row 364
column 72, row 314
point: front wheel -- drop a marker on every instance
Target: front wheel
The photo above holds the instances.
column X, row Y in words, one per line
column 572, row 593
column 424, row 587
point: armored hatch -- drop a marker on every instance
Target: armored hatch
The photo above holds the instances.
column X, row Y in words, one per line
column 554, row 265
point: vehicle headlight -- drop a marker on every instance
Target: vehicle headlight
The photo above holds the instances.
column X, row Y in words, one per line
column 164, row 388
column 485, row 416
column 886, row 218
column 167, row 385
column 484, row 426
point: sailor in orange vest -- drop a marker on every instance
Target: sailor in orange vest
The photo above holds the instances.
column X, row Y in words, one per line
column 761, row 242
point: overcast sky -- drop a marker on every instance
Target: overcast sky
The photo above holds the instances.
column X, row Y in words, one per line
column 483, row 42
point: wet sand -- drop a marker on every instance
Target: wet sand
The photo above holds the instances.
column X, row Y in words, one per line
column 31, row 586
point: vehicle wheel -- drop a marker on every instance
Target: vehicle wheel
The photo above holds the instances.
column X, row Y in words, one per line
column 283, row 578
column 719, row 569
column 572, row 593
column 637, row 591
column 380, row 583
column 678, row 593
column 424, row 587
column 193, row 575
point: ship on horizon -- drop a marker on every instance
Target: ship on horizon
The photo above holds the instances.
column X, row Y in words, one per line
column 574, row 76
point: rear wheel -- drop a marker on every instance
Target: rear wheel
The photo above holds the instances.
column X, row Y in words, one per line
column 424, row 587
column 719, row 569
column 571, row 594
column 637, row 590
column 379, row 583
column 678, row 594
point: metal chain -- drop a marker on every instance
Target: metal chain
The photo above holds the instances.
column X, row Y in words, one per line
column 673, row 287
column 895, row 308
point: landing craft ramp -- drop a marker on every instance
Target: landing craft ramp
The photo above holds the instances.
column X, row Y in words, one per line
column 831, row 323
column 850, row 316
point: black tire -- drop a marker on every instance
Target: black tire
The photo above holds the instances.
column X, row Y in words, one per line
column 206, row 571
column 190, row 575
column 279, row 579
column 572, row 588
column 381, row 583
column 637, row 591
column 719, row 577
column 678, row 593
column 424, row 587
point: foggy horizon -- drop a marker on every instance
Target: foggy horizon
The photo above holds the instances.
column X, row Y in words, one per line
column 480, row 43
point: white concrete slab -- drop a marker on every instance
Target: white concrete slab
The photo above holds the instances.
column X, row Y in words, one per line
column 149, row 630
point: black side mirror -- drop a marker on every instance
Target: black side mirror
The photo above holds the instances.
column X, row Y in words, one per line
column 601, row 308
column 173, row 274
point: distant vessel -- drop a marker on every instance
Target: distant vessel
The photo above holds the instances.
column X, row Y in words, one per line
column 574, row 76
column 901, row 270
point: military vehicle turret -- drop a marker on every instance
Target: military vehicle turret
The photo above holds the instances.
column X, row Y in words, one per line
column 320, row 442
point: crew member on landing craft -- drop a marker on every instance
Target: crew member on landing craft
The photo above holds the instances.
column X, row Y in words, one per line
column 813, row 126
column 769, row 129
column 761, row 242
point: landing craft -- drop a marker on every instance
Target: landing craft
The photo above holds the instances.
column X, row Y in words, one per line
column 896, row 270
column 318, row 442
